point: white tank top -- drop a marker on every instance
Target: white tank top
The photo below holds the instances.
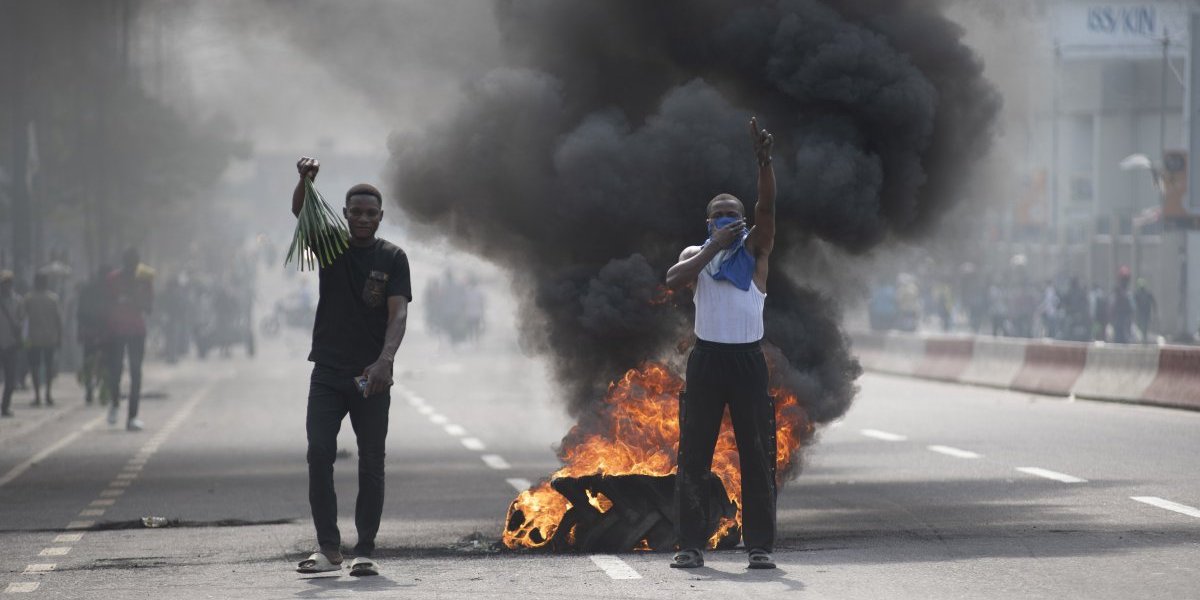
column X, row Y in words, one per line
column 726, row 314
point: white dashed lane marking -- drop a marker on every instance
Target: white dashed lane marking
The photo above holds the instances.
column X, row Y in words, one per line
column 1048, row 474
column 883, row 435
column 21, row 587
column 496, row 461
column 473, row 444
column 39, row 568
column 519, row 484
column 438, row 419
column 67, row 538
column 1182, row 509
column 455, row 430
column 955, row 452
column 55, row 551
column 614, row 567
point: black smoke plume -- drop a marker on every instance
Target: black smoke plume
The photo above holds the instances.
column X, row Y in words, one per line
column 584, row 165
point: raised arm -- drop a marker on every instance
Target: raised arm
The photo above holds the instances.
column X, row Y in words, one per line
column 762, row 235
column 307, row 167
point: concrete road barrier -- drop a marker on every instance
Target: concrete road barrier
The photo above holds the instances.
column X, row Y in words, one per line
column 1051, row 367
column 995, row 362
column 945, row 358
column 901, row 354
column 1177, row 382
column 1165, row 376
column 1117, row 372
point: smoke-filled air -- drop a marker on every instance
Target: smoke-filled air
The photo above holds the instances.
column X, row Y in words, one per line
column 584, row 165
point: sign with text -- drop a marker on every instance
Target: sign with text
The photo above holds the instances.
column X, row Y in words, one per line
column 1121, row 29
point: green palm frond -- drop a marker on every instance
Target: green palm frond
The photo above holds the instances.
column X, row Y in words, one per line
column 321, row 234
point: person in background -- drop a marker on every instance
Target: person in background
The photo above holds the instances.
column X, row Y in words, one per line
column 1144, row 306
column 1121, row 308
column 91, row 317
column 130, row 297
column 1098, row 308
column 10, row 339
column 998, row 310
column 45, row 326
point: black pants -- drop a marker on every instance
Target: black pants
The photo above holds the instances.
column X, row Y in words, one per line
column 720, row 375
column 8, row 363
column 332, row 394
column 41, row 367
column 118, row 345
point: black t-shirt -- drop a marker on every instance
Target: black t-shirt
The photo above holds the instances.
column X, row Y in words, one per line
column 352, row 311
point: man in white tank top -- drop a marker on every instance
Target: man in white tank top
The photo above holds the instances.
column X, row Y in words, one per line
column 727, row 367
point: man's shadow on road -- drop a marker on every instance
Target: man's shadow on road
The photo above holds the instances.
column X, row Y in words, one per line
column 776, row 575
column 321, row 585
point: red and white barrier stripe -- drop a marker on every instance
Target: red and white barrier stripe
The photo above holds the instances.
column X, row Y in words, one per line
column 1167, row 375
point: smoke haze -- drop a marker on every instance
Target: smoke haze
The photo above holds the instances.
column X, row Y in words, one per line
column 584, row 163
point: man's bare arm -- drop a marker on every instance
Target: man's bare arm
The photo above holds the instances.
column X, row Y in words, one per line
column 308, row 167
column 379, row 373
column 694, row 258
column 762, row 235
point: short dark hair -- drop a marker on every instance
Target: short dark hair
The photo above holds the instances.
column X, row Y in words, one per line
column 364, row 189
column 719, row 198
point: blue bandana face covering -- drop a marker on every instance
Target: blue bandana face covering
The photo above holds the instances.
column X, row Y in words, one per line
column 734, row 264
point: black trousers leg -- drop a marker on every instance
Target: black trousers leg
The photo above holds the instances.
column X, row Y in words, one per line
column 326, row 409
column 701, row 407
column 8, row 362
column 752, row 411
column 137, row 352
column 369, row 417
column 115, row 356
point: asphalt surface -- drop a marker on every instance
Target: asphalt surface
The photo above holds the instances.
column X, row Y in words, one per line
column 915, row 494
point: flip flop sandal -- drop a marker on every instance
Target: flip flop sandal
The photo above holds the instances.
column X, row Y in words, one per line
column 688, row 559
column 317, row 562
column 363, row 567
column 761, row 559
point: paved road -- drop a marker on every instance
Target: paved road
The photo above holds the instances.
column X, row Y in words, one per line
column 925, row 490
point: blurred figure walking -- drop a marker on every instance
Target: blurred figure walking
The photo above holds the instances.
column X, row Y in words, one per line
column 91, row 317
column 130, row 298
column 45, row 325
column 10, row 339
column 1144, row 306
column 1121, row 308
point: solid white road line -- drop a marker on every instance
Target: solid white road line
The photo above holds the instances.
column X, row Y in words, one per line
column 455, row 430
column 519, row 484
column 614, row 567
column 473, row 443
column 21, row 587
column 16, row 471
column 1048, row 474
column 39, row 568
column 496, row 461
column 55, row 551
column 883, row 435
column 1182, row 509
column 955, row 452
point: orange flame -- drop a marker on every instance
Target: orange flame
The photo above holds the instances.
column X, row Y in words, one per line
column 635, row 431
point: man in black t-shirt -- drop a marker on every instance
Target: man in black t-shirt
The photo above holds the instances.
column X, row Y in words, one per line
column 361, row 318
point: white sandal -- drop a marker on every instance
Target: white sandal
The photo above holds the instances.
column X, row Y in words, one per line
column 317, row 562
column 363, row 567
